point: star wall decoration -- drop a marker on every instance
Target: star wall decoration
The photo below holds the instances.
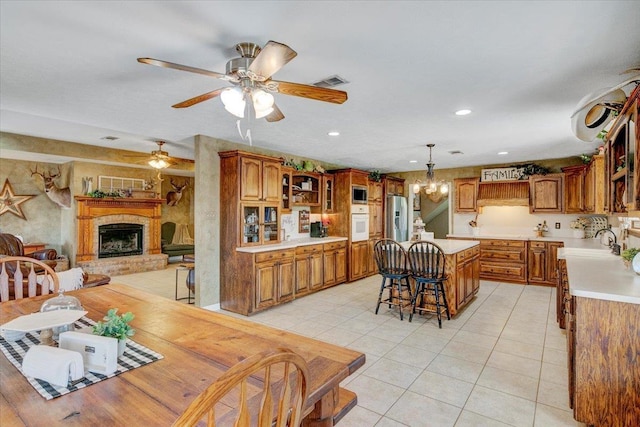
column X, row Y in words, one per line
column 10, row 202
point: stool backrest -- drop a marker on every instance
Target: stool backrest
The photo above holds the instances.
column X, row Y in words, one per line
column 15, row 281
column 427, row 260
column 390, row 256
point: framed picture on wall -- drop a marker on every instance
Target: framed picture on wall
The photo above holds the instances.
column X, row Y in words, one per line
column 416, row 202
column 304, row 221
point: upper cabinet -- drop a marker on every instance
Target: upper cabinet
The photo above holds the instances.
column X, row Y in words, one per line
column 260, row 179
column 394, row 186
column 306, row 189
column 466, row 194
column 287, row 176
column 574, row 188
column 375, row 191
column 594, row 186
column 546, row 193
column 328, row 193
column 621, row 155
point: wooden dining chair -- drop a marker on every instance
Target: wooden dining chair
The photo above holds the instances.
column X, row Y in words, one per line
column 280, row 372
column 427, row 267
column 391, row 259
column 18, row 276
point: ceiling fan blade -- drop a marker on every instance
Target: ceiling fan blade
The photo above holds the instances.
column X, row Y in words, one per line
column 271, row 58
column 165, row 64
column 312, row 92
column 198, row 99
column 276, row 115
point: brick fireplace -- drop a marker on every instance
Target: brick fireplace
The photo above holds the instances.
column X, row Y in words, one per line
column 94, row 213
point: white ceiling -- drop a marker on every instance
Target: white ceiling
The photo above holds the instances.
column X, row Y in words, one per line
column 69, row 71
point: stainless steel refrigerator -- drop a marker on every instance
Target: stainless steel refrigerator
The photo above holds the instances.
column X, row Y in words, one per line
column 396, row 227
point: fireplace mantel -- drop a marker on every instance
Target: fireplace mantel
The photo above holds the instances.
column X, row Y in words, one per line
column 90, row 208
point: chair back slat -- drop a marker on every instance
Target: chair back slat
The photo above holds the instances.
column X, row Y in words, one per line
column 13, row 279
column 291, row 375
column 390, row 257
column 427, row 260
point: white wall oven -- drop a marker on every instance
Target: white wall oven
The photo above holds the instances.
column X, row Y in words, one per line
column 359, row 223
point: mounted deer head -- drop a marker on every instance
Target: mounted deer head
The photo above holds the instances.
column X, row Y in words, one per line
column 173, row 197
column 60, row 196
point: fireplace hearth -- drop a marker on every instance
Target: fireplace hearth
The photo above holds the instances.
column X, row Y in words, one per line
column 116, row 240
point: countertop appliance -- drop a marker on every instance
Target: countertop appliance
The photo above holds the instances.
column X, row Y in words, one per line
column 359, row 223
column 319, row 230
column 397, row 227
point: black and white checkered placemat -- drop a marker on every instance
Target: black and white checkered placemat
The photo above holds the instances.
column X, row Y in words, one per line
column 135, row 356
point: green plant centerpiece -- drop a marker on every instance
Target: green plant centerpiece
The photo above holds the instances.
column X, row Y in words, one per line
column 114, row 325
column 628, row 255
column 375, row 175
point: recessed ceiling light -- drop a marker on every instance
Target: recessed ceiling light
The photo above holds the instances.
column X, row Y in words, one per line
column 333, row 133
column 463, row 112
column 503, row 153
column 413, row 161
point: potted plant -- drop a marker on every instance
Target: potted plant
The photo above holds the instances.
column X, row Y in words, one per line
column 116, row 326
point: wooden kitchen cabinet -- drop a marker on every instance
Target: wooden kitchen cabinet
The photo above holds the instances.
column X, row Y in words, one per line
column 562, row 294
column 394, row 186
column 543, row 262
column 260, row 179
column 335, row 263
column 466, row 194
column 306, row 189
column 287, row 175
column 503, row 260
column 359, row 260
column 594, row 186
column 467, row 276
column 375, row 191
column 328, row 191
column 546, row 193
column 309, row 268
column 376, row 210
column 574, row 188
column 274, row 278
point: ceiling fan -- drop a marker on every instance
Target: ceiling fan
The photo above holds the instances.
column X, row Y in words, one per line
column 250, row 77
column 159, row 158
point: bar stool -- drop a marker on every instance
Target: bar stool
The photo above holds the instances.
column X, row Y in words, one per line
column 427, row 261
column 188, row 264
column 391, row 259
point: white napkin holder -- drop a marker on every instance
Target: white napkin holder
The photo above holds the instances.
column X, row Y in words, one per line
column 426, row 235
column 54, row 365
column 100, row 354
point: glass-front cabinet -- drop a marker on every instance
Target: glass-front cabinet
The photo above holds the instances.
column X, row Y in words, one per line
column 260, row 224
column 287, row 176
column 327, row 195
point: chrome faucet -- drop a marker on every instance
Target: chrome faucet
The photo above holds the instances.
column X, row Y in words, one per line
column 613, row 243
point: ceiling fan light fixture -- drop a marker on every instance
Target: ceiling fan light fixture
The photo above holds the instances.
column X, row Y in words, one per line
column 262, row 103
column 158, row 163
column 233, row 100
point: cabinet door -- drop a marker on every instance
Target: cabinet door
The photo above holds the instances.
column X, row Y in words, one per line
column 251, row 179
column 341, row 265
column 376, row 220
column 271, row 224
column 372, row 267
column 329, row 268
column 359, row 262
column 574, row 189
column 266, row 279
column 537, row 262
column 328, row 202
column 461, row 282
column 286, row 280
column 466, row 190
column 375, row 191
column 552, row 261
column 546, row 193
column 271, row 182
column 475, row 271
column 286, row 190
column 468, row 280
column 302, row 283
column 316, row 279
column 590, row 188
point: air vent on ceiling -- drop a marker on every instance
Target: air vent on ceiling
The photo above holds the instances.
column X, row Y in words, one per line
column 110, row 138
column 332, row 81
column 455, row 152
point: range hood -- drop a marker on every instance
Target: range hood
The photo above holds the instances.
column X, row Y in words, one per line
column 504, row 193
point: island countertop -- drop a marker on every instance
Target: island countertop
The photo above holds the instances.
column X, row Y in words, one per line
column 291, row 244
column 602, row 277
column 449, row 247
column 569, row 242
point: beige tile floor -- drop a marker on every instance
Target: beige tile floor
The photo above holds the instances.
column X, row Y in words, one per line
column 500, row 362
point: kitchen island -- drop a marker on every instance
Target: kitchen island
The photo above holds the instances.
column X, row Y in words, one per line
column 462, row 267
column 603, row 337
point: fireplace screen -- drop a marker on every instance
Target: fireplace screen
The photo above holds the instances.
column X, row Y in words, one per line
column 120, row 240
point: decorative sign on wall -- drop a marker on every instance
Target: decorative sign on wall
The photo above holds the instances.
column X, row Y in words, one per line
column 10, row 202
column 502, row 174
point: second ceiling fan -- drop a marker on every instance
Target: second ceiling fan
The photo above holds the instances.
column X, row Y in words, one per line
column 252, row 85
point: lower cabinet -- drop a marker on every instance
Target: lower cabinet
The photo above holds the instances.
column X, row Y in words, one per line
column 274, row 278
column 467, row 278
column 359, row 260
column 335, row 263
column 503, row 260
column 543, row 262
column 309, row 269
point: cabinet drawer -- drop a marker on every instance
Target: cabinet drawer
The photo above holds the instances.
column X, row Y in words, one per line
column 308, row 249
column 506, row 271
column 335, row 245
column 538, row 245
column 507, row 255
column 475, row 250
column 503, row 243
column 274, row 255
column 467, row 254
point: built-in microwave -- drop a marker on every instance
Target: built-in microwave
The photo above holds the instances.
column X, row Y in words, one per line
column 359, row 195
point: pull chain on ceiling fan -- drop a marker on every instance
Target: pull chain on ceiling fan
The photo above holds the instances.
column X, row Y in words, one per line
column 252, row 86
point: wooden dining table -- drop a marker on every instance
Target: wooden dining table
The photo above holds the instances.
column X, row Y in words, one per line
column 198, row 346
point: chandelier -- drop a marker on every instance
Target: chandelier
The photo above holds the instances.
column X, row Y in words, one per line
column 434, row 189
